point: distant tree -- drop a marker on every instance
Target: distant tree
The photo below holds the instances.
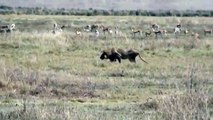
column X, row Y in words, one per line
column 95, row 12
column 89, row 13
column 168, row 13
column 116, row 13
column 132, row 12
column 124, row 13
column 106, row 12
column 5, row 7
column 152, row 13
column 138, row 12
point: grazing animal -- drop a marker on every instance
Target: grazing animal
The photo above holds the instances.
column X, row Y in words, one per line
column 136, row 31
column 97, row 33
column 113, row 55
column 87, row 28
column 4, row 26
column 155, row 26
column 107, row 29
column 95, row 27
column 110, row 31
column 148, row 33
column 177, row 30
column 57, row 29
column 178, row 25
column 78, row 33
column 116, row 31
column 186, row 31
column 159, row 32
column 209, row 31
column 7, row 28
column 156, row 29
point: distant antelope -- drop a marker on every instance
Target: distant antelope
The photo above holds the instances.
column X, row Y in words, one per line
column 117, row 31
column 110, row 31
column 155, row 26
column 209, row 31
column 160, row 32
column 148, row 33
column 185, row 31
column 87, row 28
column 177, row 30
column 107, row 29
column 136, row 31
column 57, row 29
column 7, row 28
column 78, row 32
column 96, row 33
column 178, row 25
column 95, row 27
column 156, row 29
column 4, row 27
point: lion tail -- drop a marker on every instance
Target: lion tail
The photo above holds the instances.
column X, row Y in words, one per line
column 142, row 59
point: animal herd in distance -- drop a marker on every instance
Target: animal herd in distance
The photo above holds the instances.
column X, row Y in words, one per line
column 154, row 29
column 97, row 28
column 114, row 54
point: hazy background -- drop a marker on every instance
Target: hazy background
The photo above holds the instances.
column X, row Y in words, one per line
column 115, row 4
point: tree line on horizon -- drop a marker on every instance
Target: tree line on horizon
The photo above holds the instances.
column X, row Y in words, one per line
column 5, row 10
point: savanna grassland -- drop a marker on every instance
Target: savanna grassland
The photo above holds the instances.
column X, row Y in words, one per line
column 60, row 76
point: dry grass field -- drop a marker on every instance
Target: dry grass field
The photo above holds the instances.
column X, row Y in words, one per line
column 60, row 76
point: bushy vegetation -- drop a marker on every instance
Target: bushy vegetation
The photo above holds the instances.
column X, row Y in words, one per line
column 47, row 76
column 5, row 10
